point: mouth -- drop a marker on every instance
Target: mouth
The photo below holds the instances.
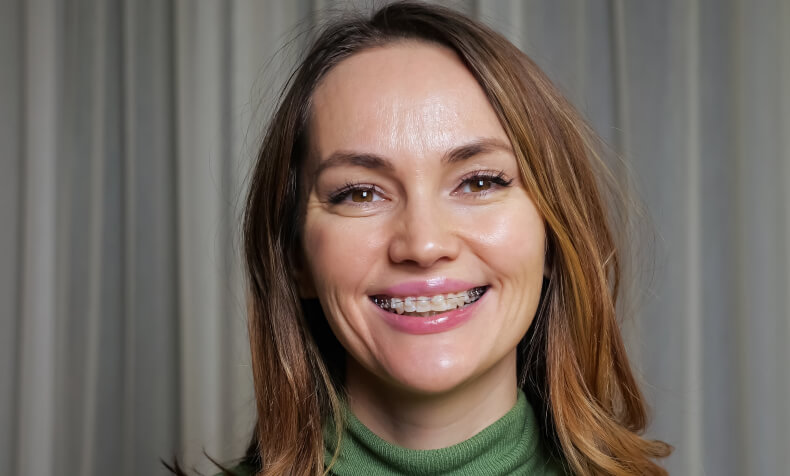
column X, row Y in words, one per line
column 426, row 306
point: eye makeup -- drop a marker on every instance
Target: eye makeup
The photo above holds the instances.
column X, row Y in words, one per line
column 479, row 184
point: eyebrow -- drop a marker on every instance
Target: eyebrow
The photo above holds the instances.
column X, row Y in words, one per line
column 476, row 147
column 377, row 162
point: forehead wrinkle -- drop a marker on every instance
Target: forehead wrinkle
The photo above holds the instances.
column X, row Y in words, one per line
column 403, row 119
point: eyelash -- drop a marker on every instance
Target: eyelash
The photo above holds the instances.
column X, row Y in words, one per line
column 343, row 192
column 496, row 177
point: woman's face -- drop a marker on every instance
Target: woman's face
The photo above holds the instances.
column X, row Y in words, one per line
column 414, row 199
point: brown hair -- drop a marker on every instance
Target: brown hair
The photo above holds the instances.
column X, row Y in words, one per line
column 572, row 363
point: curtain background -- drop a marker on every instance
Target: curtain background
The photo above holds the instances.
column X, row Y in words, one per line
column 126, row 133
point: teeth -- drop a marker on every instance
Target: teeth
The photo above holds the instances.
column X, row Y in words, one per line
column 438, row 303
column 422, row 304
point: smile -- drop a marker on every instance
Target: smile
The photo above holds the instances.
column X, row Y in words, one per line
column 426, row 306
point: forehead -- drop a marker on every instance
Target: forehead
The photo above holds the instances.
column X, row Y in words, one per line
column 406, row 98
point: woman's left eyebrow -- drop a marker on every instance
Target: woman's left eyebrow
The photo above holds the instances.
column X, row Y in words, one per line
column 476, row 147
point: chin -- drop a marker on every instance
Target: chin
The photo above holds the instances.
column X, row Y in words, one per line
column 442, row 376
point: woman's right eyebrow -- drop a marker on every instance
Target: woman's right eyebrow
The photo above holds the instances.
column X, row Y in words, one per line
column 359, row 159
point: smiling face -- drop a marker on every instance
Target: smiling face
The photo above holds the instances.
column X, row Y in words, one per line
column 414, row 192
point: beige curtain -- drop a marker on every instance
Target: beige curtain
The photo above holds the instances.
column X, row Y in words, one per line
column 126, row 134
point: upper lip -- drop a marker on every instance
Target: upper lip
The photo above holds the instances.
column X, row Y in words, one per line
column 428, row 287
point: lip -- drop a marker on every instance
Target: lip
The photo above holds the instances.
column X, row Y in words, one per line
column 428, row 287
column 430, row 325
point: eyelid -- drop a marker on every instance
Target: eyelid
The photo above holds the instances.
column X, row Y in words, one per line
column 497, row 177
column 339, row 196
column 487, row 173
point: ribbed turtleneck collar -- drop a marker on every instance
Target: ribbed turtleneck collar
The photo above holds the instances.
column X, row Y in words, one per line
column 510, row 445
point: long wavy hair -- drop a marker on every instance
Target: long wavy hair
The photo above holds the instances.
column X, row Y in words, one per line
column 572, row 363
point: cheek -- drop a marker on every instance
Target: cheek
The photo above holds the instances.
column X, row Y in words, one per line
column 341, row 252
column 512, row 241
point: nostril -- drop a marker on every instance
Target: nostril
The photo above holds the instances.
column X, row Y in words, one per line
column 423, row 253
column 422, row 236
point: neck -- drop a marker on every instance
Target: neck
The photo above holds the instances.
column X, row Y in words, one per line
column 436, row 420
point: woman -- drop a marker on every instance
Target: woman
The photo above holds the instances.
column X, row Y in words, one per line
column 432, row 274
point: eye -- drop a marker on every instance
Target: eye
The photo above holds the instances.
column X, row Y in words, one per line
column 361, row 195
column 479, row 184
column 355, row 193
column 482, row 182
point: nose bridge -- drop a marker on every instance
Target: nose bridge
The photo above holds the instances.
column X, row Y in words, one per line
column 424, row 233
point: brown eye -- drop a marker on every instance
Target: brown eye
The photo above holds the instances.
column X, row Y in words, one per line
column 483, row 183
column 361, row 195
column 356, row 193
column 479, row 185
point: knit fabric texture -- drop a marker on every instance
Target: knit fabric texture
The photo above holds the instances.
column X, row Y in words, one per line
column 509, row 446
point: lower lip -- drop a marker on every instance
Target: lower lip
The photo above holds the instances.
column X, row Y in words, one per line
column 429, row 325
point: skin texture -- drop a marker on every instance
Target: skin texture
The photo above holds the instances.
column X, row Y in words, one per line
column 410, row 103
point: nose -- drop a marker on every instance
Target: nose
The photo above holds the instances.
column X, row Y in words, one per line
column 423, row 235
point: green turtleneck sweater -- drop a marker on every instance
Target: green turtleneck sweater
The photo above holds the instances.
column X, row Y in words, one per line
column 509, row 446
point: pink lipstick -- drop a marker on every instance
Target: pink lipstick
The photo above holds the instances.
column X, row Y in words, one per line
column 428, row 287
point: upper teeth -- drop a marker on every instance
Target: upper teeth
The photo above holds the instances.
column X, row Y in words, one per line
column 439, row 302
